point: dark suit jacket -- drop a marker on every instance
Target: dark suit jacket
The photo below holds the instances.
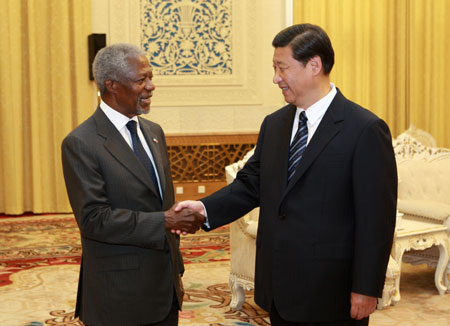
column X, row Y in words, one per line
column 330, row 230
column 130, row 264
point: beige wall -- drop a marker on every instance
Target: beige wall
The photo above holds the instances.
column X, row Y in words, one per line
column 208, row 104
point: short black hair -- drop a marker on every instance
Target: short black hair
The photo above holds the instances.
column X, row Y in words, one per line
column 307, row 41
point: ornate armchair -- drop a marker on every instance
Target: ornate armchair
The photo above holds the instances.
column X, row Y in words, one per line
column 242, row 245
column 424, row 190
column 423, row 195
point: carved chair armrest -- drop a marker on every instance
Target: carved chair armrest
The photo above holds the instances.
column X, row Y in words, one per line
column 247, row 226
column 251, row 229
column 435, row 211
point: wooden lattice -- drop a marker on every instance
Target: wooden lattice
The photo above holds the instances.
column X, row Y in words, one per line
column 203, row 158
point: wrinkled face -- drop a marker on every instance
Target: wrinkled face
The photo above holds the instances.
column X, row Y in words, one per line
column 291, row 76
column 133, row 94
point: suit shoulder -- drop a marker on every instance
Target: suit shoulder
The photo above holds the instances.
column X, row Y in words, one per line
column 361, row 118
column 154, row 127
column 149, row 123
column 356, row 111
column 86, row 128
column 285, row 110
column 354, row 115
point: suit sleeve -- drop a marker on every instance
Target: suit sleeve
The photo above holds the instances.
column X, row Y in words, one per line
column 96, row 218
column 375, row 200
column 241, row 196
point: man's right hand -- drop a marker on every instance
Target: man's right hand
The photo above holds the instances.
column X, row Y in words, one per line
column 192, row 204
column 186, row 220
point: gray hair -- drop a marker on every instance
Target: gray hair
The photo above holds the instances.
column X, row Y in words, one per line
column 112, row 63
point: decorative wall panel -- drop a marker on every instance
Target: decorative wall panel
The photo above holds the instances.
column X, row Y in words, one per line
column 190, row 37
column 204, row 52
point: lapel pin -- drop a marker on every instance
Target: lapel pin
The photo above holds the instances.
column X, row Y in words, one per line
column 155, row 140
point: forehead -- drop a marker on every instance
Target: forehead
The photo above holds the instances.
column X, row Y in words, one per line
column 139, row 65
column 282, row 55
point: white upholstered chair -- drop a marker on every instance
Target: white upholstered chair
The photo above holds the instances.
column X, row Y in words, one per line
column 423, row 194
column 424, row 189
column 242, row 245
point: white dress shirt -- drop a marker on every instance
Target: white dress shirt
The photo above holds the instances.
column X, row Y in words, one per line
column 314, row 113
column 120, row 122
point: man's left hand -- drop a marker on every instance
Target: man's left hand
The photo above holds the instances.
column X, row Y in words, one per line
column 362, row 305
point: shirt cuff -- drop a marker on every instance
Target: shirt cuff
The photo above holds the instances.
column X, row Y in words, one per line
column 206, row 223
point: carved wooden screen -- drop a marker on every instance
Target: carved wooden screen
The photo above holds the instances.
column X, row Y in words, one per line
column 200, row 160
column 203, row 158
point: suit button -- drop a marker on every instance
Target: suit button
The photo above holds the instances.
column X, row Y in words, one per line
column 282, row 216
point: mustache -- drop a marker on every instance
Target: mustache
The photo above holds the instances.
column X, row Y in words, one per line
column 140, row 97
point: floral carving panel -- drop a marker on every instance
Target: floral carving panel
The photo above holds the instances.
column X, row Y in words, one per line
column 187, row 37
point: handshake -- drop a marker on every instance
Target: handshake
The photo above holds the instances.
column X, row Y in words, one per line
column 185, row 217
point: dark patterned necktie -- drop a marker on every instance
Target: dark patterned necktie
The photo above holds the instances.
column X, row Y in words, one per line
column 140, row 152
column 298, row 145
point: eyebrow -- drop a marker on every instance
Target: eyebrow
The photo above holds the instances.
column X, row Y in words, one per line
column 145, row 74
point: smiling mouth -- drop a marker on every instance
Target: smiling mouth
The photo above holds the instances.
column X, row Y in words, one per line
column 145, row 99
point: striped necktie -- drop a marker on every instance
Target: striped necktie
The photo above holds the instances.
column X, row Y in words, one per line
column 298, row 145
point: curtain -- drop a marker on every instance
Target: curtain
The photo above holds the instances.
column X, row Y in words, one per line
column 390, row 57
column 44, row 93
column 429, row 90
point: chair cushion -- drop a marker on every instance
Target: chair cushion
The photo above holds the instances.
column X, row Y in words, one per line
column 426, row 208
column 424, row 180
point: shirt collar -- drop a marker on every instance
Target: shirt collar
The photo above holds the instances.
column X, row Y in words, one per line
column 318, row 109
column 118, row 119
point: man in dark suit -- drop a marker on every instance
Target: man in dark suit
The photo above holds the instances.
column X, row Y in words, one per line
column 119, row 184
column 324, row 176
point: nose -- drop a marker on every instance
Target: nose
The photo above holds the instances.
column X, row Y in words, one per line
column 149, row 85
column 276, row 77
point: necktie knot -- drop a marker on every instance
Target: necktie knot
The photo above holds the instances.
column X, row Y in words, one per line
column 132, row 127
column 302, row 118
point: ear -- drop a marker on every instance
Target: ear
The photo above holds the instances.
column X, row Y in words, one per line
column 316, row 65
column 111, row 86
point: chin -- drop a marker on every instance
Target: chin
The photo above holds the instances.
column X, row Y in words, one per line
column 290, row 101
column 140, row 110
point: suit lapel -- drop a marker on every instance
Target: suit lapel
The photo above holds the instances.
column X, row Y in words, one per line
column 328, row 128
column 285, row 137
column 153, row 144
column 119, row 149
